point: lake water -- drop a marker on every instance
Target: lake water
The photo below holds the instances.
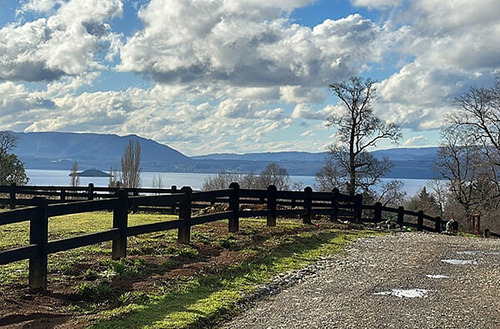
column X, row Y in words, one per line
column 195, row 180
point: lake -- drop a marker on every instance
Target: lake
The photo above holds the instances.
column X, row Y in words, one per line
column 195, row 180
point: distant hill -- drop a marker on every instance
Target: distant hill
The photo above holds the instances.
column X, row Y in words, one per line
column 408, row 162
column 267, row 156
column 56, row 150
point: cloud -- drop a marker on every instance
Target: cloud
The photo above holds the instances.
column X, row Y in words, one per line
column 65, row 43
column 449, row 45
column 304, row 111
column 301, row 94
column 416, row 141
column 372, row 4
column 228, row 75
column 244, row 43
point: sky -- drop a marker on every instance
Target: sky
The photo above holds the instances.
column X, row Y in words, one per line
column 239, row 76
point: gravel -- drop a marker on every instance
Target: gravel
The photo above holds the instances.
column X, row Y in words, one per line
column 404, row 280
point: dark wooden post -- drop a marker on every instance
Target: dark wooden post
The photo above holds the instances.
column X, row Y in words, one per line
column 234, row 207
column 12, row 195
column 307, row 219
column 135, row 193
column 378, row 212
column 420, row 221
column 358, row 208
column 120, row 221
column 438, row 225
column 172, row 209
column 63, row 195
column 39, row 236
column 90, row 192
column 401, row 216
column 271, row 205
column 184, row 233
column 335, row 204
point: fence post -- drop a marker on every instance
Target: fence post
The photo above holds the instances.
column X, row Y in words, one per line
column 63, row 195
column 358, row 208
column 90, row 192
column 135, row 193
column 120, row 221
column 172, row 209
column 335, row 204
column 420, row 221
column 184, row 232
column 234, row 207
column 13, row 196
column 307, row 219
column 437, row 226
column 378, row 212
column 39, row 236
column 401, row 216
column 271, row 205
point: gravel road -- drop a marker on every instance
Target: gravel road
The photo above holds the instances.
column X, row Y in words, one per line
column 405, row 280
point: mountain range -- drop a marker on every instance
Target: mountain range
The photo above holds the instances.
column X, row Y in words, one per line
column 58, row 150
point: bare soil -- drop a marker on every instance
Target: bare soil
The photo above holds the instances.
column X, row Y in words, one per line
column 21, row 307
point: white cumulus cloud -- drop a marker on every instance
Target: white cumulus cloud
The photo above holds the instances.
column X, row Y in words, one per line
column 64, row 43
column 245, row 43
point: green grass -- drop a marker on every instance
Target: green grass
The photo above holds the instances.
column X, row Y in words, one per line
column 16, row 235
column 206, row 300
column 187, row 302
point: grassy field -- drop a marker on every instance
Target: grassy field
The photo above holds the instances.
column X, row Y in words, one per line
column 163, row 284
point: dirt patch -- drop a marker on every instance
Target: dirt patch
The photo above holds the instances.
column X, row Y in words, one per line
column 78, row 293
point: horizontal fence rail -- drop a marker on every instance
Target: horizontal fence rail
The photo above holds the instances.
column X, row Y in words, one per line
column 191, row 207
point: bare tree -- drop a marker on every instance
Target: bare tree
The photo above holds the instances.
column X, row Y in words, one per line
column 221, row 181
column 275, row 175
column 8, row 141
column 478, row 119
column 440, row 190
column 157, row 182
column 330, row 177
column 358, row 129
column 392, row 193
column 463, row 163
column 113, row 178
column 131, row 165
column 272, row 174
column 479, row 112
column 75, row 178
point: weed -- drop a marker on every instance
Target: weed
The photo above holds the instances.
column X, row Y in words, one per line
column 90, row 274
column 231, row 243
column 171, row 263
column 128, row 268
column 128, row 298
column 188, row 253
column 98, row 290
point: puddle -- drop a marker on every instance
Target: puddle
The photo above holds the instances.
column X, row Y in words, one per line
column 477, row 252
column 406, row 293
column 459, row 261
column 469, row 252
column 437, row 276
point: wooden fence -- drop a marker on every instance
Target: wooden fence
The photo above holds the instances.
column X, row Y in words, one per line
column 236, row 203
